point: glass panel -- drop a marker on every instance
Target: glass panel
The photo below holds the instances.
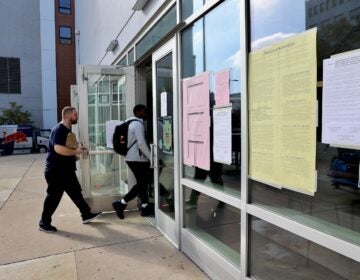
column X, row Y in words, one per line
column 14, row 75
column 163, row 26
column 131, row 57
column 334, row 208
column 4, row 75
column 276, row 254
column 212, row 44
column 189, row 7
column 118, row 99
column 64, row 6
column 106, row 101
column 123, row 61
column 192, row 45
column 65, row 3
column 65, row 35
column 213, row 221
column 164, row 98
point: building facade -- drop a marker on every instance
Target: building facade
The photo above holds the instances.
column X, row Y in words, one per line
column 65, row 51
column 37, row 64
column 178, row 57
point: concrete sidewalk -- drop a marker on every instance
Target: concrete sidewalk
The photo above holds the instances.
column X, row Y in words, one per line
column 107, row 248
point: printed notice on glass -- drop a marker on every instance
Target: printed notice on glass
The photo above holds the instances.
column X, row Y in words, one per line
column 222, row 88
column 163, row 104
column 341, row 101
column 222, row 134
column 283, row 113
column 167, row 144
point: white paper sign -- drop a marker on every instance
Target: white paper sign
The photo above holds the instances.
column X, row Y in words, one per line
column 341, row 101
column 222, row 135
column 110, row 127
column 163, row 101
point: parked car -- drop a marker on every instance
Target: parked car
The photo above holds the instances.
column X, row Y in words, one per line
column 344, row 169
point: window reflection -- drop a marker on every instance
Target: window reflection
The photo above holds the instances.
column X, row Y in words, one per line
column 336, row 204
column 277, row 254
column 64, row 6
column 217, row 223
column 212, row 44
column 193, row 49
column 189, row 7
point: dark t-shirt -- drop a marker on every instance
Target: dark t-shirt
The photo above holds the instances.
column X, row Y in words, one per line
column 55, row 161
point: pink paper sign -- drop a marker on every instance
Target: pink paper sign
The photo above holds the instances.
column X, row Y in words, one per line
column 196, row 121
column 222, row 88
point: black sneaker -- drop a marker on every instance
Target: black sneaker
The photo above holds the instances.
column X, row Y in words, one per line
column 88, row 218
column 119, row 208
column 149, row 210
column 47, row 228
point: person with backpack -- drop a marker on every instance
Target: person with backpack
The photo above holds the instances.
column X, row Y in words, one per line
column 137, row 156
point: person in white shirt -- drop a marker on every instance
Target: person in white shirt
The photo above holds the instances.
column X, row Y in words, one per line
column 137, row 158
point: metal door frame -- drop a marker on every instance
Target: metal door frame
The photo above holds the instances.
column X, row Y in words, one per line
column 169, row 227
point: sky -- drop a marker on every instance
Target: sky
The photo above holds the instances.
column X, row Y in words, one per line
column 274, row 20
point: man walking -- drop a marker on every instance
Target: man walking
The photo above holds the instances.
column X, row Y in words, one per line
column 60, row 173
column 137, row 158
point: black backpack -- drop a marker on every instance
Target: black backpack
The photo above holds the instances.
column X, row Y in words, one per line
column 120, row 138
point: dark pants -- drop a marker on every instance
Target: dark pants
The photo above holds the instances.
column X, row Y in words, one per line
column 141, row 172
column 58, row 183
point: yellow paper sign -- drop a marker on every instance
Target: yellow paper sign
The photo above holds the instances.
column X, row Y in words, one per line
column 283, row 113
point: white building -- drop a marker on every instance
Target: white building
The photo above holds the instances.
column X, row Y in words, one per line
column 37, row 57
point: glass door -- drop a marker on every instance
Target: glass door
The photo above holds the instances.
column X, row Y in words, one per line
column 165, row 147
column 106, row 98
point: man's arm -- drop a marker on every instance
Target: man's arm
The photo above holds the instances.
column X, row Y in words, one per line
column 140, row 138
column 64, row 151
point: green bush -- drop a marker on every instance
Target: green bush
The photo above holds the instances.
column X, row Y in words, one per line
column 15, row 115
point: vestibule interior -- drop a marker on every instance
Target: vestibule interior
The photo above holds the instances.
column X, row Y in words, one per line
column 144, row 96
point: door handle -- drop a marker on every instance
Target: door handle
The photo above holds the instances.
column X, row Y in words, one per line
column 152, row 155
column 85, row 154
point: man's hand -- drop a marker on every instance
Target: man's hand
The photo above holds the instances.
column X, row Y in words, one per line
column 79, row 151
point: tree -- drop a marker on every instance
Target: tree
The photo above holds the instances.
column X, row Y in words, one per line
column 15, row 115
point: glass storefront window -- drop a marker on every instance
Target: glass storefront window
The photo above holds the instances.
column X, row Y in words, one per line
column 335, row 207
column 192, row 45
column 189, row 7
column 161, row 28
column 276, row 254
column 212, row 44
column 216, row 223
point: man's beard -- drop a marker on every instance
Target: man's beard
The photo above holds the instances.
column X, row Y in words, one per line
column 73, row 121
